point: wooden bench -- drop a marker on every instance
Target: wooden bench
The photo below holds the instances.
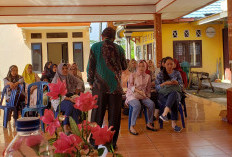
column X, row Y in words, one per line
column 201, row 76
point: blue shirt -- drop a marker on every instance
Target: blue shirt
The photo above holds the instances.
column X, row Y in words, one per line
column 175, row 75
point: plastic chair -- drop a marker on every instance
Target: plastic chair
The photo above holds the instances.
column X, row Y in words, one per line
column 186, row 68
column 40, row 107
column 181, row 115
column 11, row 104
column 130, row 114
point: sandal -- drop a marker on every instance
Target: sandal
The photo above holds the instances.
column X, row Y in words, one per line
column 152, row 129
column 133, row 133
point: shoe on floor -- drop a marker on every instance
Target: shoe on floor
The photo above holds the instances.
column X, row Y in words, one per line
column 177, row 129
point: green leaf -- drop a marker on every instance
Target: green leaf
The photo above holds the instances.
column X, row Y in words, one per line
column 118, row 155
column 61, row 155
column 101, row 151
column 74, row 128
column 51, row 141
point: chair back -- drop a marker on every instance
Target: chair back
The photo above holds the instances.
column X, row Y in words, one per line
column 40, row 85
column 11, row 102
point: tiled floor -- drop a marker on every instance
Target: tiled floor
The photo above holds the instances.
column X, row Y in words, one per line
column 205, row 135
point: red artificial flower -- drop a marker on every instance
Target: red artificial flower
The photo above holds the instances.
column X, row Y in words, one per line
column 49, row 119
column 86, row 102
column 102, row 135
column 67, row 144
column 57, row 89
column 34, row 140
column 85, row 125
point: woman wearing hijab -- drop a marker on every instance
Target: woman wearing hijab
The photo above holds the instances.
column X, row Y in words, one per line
column 106, row 63
column 73, row 86
column 47, row 68
column 13, row 79
column 139, row 91
column 52, row 72
column 30, row 77
column 76, row 72
column 177, row 67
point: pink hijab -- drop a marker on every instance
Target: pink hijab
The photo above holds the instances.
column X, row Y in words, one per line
column 145, row 65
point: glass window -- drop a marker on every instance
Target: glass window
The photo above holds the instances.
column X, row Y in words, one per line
column 36, row 50
column 78, row 55
column 57, row 35
column 189, row 51
column 36, row 35
column 77, row 34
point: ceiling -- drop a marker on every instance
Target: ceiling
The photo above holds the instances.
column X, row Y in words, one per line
column 63, row 11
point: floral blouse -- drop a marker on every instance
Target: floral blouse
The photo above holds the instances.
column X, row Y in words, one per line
column 175, row 75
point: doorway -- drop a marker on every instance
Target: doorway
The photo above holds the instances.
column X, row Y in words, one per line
column 58, row 52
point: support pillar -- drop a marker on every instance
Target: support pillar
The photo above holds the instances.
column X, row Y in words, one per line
column 128, row 48
column 157, row 38
column 229, row 91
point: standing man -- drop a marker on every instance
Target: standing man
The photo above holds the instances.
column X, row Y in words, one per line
column 106, row 63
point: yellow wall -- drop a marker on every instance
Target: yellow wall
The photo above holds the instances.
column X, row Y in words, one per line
column 212, row 48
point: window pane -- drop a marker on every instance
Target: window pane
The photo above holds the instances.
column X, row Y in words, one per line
column 180, row 52
column 57, row 35
column 77, row 34
column 195, row 53
column 78, row 55
column 36, row 35
column 189, row 50
column 36, row 49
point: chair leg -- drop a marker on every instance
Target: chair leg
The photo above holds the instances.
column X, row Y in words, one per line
column 185, row 109
column 130, row 115
column 182, row 115
column 23, row 113
column 161, row 124
column 5, row 119
column 41, row 113
column 211, row 85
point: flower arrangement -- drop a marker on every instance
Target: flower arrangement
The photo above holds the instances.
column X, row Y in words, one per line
column 76, row 144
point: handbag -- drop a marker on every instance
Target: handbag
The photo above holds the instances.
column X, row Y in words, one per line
column 170, row 88
column 138, row 95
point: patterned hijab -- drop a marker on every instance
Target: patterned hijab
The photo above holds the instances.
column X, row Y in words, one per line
column 11, row 78
column 71, row 81
column 28, row 78
column 139, row 72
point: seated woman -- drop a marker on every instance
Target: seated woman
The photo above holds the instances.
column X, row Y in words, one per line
column 154, row 94
column 139, row 87
column 74, row 86
column 77, row 73
column 169, row 86
column 14, row 79
column 47, row 68
column 30, row 77
column 132, row 65
column 51, row 72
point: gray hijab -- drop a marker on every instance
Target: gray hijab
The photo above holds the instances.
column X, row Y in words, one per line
column 72, row 82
